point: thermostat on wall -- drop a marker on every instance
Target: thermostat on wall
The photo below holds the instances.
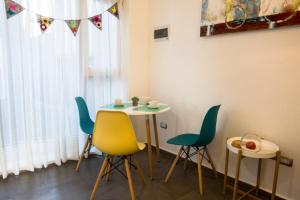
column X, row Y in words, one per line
column 161, row 33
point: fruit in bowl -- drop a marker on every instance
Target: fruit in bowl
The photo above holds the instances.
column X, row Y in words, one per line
column 251, row 145
column 251, row 142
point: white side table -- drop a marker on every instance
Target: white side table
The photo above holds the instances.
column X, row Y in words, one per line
column 268, row 150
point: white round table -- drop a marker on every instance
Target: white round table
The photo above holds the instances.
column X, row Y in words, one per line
column 142, row 110
column 268, row 150
column 136, row 110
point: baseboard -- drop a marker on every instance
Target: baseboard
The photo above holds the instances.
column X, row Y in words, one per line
column 242, row 185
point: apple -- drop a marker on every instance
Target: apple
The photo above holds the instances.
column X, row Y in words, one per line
column 251, row 145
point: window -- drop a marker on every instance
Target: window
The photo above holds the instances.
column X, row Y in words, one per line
column 41, row 74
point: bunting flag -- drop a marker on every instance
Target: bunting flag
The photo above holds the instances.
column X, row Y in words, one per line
column 114, row 10
column 97, row 21
column 12, row 8
column 73, row 25
column 45, row 22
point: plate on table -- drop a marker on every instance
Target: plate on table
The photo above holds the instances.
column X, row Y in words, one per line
column 119, row 105
column 153, row 107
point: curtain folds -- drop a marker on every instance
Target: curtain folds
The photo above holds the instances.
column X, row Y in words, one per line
column 40, row 74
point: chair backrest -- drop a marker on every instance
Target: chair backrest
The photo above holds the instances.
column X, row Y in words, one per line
column 114, row 134
column 86, row 124
column 208, row 128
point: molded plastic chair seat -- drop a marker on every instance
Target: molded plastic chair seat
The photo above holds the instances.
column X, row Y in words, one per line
column 198, row 142
column 114, row 135
column 89, row 129
column 186, row 139
column 122, row 150
column 86, row 125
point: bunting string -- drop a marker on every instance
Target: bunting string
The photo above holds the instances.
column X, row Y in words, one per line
column 13, row 8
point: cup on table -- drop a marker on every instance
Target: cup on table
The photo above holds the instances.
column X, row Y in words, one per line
column 153, row 104
column 145, row 100
column 118, row 102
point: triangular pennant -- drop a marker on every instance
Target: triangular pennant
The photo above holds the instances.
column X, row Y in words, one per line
column 44, row 22
column 114, row 10
column 73, row 25
column 97, row 21
column 12, row 8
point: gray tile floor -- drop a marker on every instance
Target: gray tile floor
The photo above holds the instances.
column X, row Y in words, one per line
column 55, row 183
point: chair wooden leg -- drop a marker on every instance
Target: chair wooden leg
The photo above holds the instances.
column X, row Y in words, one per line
column 110, row 161
column 139, row 170
column 129, row 179
column 89, row 148
column 199, row 159
column 174, row 164
column 211, row 162
column 188, row 149
column 82, row 154
column 98, row 181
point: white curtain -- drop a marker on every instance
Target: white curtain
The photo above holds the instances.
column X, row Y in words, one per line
column 106, row 75
column 40, row 74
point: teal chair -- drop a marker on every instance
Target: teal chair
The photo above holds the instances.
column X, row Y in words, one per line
column 86, row 125
column 198, row 142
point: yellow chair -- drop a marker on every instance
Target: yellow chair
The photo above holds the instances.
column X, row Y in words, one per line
column 115, row 136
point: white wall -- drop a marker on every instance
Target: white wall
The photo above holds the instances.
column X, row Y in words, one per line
column 135, row 44
column 254, row 75
column 135, row 33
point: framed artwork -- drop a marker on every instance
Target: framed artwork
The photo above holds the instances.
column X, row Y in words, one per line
column 227, row 16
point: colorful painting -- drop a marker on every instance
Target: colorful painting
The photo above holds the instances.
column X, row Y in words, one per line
column 226, row 16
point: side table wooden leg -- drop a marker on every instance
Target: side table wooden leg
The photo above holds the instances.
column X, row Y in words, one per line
column 258, row 176
column 236, row 182
column 276, row 175
column 149, row 147
column 156, row 137
column 226, row 171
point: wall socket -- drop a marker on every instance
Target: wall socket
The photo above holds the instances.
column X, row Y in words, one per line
column 163, row 125
column 286, row 161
